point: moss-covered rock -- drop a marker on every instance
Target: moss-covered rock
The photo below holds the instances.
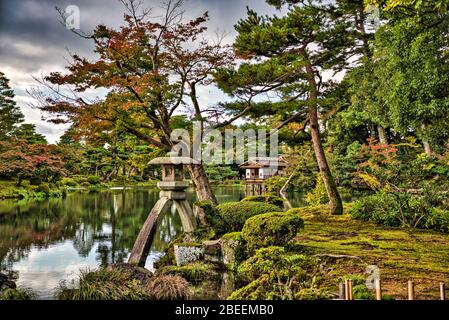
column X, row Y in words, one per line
column 277, row 201
column 271, row 229
column 194, row 272
column 233, row 249
column 235, row 214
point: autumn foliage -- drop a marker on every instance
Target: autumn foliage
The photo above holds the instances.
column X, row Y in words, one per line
column 21, row 160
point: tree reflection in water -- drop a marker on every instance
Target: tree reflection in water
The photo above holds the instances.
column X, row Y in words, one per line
column 107, row 222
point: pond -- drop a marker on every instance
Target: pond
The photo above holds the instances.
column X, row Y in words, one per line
column 43, row 243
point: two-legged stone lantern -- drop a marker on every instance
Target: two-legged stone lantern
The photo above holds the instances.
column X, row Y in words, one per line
column 172, row 188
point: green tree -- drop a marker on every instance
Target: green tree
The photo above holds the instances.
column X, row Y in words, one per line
column 413, row 73
column 289, row 56
column 411, row 7
column 10, row 114
column 27, row 132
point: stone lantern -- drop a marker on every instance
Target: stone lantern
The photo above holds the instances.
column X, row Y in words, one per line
column 173, row 187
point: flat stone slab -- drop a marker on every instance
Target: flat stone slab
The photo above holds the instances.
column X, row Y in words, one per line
column 173, row 185
column 212, row 247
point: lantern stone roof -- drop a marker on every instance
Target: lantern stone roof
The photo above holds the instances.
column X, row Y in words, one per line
column 173, row 161
column 264, row 162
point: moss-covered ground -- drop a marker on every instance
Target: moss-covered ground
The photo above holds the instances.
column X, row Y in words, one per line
column 401, row 254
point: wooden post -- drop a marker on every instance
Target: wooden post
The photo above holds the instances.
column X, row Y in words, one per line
column 442, row 291
column 378, row 289
column 346, row 290
column 411, row 290
column 350, row 289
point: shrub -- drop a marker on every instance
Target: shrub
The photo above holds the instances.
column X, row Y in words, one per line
column 318, row 195
column 35, row 181
column 209, row 215
column 16, row 294
column 274, row 274
column 44, row 188
column 378, row 208
column 168, row 287
column 313, row 294
column 104, row 284
column 137, row 178
column 234, row 214
column 256, row 290
column 93, row 180
column 275, row 183
column 124, row 282
column 277, row 201
column 271, row 229
column 392, row 209
column 80, row 180
column 69, row 182
column 359, row 290
column 85, row 184
column 438, row 219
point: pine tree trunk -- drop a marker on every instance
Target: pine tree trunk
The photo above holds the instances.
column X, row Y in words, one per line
column 382, row 135
column 335, row 203
column 204, row 190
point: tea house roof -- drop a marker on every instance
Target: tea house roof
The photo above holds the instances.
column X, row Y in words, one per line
column 263, row 162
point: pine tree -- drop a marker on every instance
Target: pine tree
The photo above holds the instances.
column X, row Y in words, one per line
column 10, row 114
column 289, row 57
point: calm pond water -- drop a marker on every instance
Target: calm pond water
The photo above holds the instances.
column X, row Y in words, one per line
column 43, row 243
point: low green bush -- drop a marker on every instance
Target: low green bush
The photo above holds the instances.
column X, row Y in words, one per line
column 391, row 209
column 44, row 188
column 212, row 217
column 93, row 180
column 438, row 219
column 85, row 184
column 277, row 201
column 271, row 229
column 137, row 178
column 318, row 195
column 35, row 181
column 80, row 179
column 124, row 283
column 69, row 182
column 313, row 294
column 234, row 214
column 17, row 294
column 274, row 274
column 359, row 289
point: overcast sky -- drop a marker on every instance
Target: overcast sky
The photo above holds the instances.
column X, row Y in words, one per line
column 33, row 42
